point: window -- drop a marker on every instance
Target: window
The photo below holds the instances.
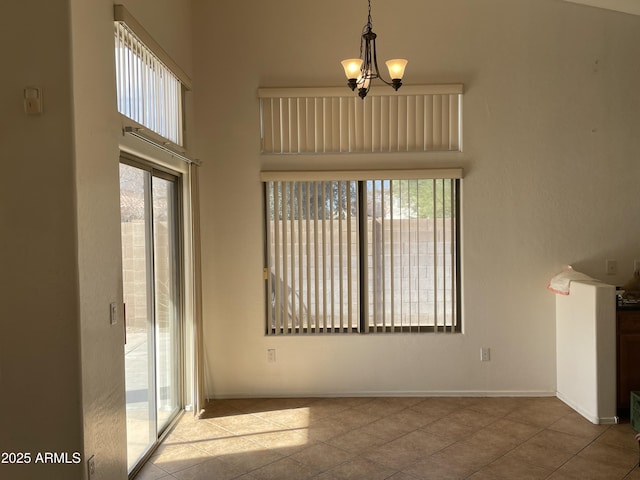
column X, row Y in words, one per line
column 419, row 118
column 150, row 86
column 366, row 252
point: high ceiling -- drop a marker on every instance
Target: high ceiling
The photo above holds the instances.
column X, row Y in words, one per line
column 626, row 6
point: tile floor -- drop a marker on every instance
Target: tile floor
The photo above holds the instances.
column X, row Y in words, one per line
column 393, row 438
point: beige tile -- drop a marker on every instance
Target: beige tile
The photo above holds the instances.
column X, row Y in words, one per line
column 504, row 433
column 509, row 468
column 193, row 430
column 274, row 404
column 468, row 455
column 582, row 468
column 431, row 468
column 355, row 418
column 398, row 438
column 221, row 447
column 619, row 436
column 634, row 475
column 328, row 407
column 285, row 468
column 560, row 441
column 285, row 442
column 575, row 424
column 325, row 429
column 172, row 458
column 402, row 476
column 322, row 457
column 245, row 424
column 435, row 407
column 539, row 455
column 360, row 469
column 389, row 428
column 298, row 417
column 211, row 469
column 407, row 450
column 499, row 406
column 383, row 407
column 151, row 472
column 357, row 441
column 219, row 408
column 538, row 414
column 410, row 419
column 612, row 455
column 251, row 460
column 557, row 475
column 460, row 424
column 243, row 405
column 481, row 475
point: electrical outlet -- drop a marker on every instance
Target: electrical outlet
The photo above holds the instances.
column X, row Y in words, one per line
column 611, row 267
column 271, row 355
column 485, row 354
column 91, row 466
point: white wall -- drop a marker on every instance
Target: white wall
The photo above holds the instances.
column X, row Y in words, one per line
column 61, row 363
column 586, row 350
column 97, row 134
column 40, row 400
column 551, row 132
column 99, row 252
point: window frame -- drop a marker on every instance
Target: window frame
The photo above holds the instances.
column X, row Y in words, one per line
column 364, row 324
column 151, row 55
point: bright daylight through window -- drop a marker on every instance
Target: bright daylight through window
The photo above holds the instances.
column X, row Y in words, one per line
column 149, row 93
column 371, row 255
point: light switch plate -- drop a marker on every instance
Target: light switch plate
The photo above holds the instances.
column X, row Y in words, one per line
column 113, row 313
column 33, row 100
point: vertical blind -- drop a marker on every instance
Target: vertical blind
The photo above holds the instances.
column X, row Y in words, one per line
column 313, row 251
column 334, row 120
column 148, row 91
column 362, row 253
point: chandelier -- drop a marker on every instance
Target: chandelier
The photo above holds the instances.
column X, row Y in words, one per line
column 360, row 71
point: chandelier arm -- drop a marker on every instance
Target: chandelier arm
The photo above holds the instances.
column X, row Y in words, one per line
column 375, row 64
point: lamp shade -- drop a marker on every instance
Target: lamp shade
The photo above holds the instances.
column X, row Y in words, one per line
column 352, row 67
column 396, row 67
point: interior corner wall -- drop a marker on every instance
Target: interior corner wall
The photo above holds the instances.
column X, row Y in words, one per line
column 96, row 133
column 40, row 377
column 551, row 135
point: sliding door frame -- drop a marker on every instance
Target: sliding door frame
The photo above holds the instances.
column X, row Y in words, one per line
column 140, row 148
column 164, row 173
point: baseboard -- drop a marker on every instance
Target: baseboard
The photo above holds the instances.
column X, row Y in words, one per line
column 591, row 416
column 447, row 393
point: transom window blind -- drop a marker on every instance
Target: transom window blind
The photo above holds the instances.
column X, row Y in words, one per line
column 150, row 85
column 367, row 252
column 334, row 120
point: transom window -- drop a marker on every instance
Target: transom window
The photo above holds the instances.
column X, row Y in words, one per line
column 150, row 86
column 362, row 252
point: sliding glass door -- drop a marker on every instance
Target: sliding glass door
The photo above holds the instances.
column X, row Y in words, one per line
column 151, row 273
